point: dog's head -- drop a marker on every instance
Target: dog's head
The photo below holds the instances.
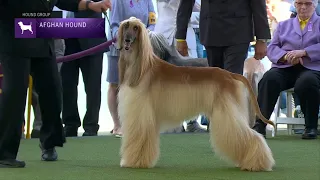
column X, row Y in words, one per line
column 135, row 50
column 20, row 23
column 132, row 32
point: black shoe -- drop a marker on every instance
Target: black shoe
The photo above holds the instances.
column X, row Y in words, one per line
column 48, row 154
column 260, row 128
column 90, row 134
column 71, row 131
column 193, row 126
column 35, row 133
column 12, row 163
column 310, row 134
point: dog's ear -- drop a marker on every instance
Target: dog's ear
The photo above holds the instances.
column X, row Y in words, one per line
column 122, row 65
column 134, row 76
column 145, row 56
column 120, row 36
column 142, row 63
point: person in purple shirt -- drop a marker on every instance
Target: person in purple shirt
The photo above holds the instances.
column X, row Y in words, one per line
column 294, row 12
column 295, row 55
column 122, row 10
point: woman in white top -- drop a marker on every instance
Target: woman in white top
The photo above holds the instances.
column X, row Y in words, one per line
column 166, row 24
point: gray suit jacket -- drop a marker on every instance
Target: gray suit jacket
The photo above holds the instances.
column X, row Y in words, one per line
column 226, row 22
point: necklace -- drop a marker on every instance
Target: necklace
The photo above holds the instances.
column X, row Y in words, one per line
column 131, row 3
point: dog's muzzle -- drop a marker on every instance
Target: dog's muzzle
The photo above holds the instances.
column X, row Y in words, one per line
column 127, row 42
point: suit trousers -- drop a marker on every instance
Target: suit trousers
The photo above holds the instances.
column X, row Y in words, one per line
column 59, row 51
column 37, row 123
column 91, row 68
column 230, row 58
column 306, row 84
column 36, row 107
column 45, row 74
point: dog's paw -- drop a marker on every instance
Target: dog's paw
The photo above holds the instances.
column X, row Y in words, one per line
column 255, row 169
column 138, row 165
column 123, row 163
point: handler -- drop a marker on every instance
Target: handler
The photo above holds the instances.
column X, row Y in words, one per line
column 226, row 29
column 21, row 57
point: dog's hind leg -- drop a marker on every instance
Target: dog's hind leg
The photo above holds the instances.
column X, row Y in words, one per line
column 232, row 137
column 140, row 141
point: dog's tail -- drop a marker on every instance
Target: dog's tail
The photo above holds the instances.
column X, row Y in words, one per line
column 253, row 99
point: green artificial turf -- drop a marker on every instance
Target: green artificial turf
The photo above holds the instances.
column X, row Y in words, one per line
column 183, row 157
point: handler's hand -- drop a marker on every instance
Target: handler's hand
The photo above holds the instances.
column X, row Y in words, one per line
column 182, row 48
column 260, row 50
column 103, row 5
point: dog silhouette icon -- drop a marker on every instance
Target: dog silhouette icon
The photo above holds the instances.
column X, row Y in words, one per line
column 25, row 27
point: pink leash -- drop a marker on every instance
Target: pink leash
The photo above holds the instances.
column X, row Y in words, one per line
column 87, row 52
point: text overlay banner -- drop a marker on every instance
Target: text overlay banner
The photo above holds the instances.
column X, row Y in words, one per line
column 60, row 28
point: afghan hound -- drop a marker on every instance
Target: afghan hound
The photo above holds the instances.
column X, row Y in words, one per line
column 164, row 51
column 155, row 94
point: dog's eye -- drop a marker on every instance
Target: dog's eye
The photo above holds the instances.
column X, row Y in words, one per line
column 126, row 25
column 135, row 28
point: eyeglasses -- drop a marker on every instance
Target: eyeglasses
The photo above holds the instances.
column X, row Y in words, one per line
column 307, row 4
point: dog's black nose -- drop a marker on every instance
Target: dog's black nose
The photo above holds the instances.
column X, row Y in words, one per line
column 127, row 40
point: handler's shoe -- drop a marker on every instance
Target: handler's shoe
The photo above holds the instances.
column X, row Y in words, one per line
column 12, row 163
column 194, row 126
column 310, row 134
column 48, row 154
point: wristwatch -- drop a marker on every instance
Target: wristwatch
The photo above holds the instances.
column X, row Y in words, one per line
column 263, row 40
column 87, row 4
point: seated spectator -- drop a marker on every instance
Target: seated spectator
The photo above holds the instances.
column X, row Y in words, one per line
column 295, row 55
column 297, row 110
column 294, row 12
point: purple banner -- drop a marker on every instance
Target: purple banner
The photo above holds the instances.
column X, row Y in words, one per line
column 62, row 28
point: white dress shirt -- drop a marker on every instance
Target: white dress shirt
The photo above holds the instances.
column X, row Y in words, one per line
column 64, row 13
column 166, row 24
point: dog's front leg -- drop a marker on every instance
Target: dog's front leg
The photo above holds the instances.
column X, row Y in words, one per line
column 140, row 141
